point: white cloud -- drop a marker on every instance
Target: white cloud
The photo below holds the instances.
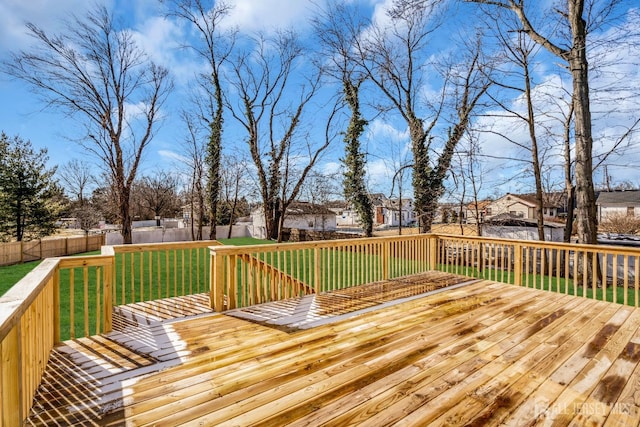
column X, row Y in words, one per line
column 265, row 15
column 47, row 14
column 162, row 40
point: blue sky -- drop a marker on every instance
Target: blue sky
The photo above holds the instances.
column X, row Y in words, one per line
column 22, row 114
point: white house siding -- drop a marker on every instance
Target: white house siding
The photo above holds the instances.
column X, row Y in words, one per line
column 347, row 218
column 522, row 233
column 311, row 222
column 617, row 211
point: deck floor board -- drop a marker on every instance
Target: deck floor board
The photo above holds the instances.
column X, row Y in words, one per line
column 482, row 354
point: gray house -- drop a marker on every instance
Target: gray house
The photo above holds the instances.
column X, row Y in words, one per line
column 618, row 203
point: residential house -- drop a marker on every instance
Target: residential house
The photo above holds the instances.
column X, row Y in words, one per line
column 346, row 216
column 299, row 215
column 524, row 205
column 386, row 212
column 475, row 212
column 624, row 202
column 389, row 212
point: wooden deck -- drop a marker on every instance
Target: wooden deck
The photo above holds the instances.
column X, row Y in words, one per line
column 481, row 354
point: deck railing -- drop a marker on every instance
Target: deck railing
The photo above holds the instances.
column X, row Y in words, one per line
column 147, row 272
column 74, row 296
column 606, row 273
column 248, row 275
column 255, row 274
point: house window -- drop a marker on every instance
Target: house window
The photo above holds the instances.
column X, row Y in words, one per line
column 630, row 211
column 488, row 211
column 310, row 224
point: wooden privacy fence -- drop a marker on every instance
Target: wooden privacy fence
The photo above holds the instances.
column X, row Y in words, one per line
column 33, row 250
column 247, row 275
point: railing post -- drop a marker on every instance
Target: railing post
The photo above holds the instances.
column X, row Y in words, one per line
column 385, row 259
column 11, row 372
column 317, row 270
column 108, row 280
column 56, row 305
column 517, row 264
column 433, row 252
column 216, row 293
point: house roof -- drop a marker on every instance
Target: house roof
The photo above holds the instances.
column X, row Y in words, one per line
column 554, row 199
column 306, row 208
column 337, row 204
column 619, row 198
column 482, row 204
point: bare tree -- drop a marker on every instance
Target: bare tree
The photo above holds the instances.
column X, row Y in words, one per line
column 393, row 56
column 157, row 195
column 283, row 154
column 570, row 46
column 95, row 73
column 514, row 75
column 468, row 177
column 233, row 184
column 337, row 28
column 195, row 162
column 214, row 47
column 76, row 177
column 320, row 188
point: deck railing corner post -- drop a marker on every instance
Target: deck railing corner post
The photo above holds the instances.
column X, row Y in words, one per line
column 56, row 305
column 433, row 251
column 216, row 287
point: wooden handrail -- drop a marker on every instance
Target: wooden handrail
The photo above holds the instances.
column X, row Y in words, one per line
column 271, row 269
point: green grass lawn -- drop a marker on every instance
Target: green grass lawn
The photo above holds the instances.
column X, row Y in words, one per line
column 158, row 267
column 11, row 274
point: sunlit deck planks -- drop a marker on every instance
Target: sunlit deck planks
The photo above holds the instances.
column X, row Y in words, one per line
column 482, row 354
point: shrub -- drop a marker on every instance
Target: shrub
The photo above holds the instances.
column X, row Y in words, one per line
column 620, row 223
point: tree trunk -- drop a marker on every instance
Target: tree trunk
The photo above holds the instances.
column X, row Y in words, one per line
column 421, row 170
column 585, row 195
column 125, row 217
column 534, row 152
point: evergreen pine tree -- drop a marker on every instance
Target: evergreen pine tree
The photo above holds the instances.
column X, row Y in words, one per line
column 30, row 199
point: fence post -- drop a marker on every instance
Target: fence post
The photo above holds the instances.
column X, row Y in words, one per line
column 56, row 305
column 517, row 264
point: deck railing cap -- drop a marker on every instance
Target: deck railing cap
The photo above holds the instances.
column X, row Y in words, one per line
column 18, row 298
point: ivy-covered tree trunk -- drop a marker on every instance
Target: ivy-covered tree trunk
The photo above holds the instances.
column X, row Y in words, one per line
column 355, row 190
column 214, row 148
column 421, row 171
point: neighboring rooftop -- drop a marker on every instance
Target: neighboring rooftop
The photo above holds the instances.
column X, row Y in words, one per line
column 621, row 198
